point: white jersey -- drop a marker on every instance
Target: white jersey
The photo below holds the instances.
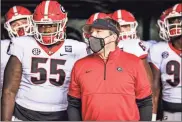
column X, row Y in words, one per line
column 45, row 76
column 4, row 58
column 168, row 60
column 148, row 44
column 133, row 46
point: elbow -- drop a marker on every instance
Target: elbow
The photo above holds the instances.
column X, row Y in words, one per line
column 8, row 93
column 147, row 101
column 74, row 102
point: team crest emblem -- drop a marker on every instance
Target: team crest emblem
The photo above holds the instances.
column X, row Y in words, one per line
column 165, row 54
column 119, row 69
column 36, row 51
column 68, row 48
column 62, row 9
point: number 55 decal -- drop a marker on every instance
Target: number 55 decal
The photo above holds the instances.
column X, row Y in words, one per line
column 43, row 73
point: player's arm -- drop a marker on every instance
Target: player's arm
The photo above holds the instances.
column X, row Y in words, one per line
column 74, row 99
column 143, row 53
column 143, row 92
column 156, row 89
column 148, row 70
column 12, row 78
column 154, row 60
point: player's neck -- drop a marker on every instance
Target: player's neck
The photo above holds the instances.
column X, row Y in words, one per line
column 178, row 44
column 51, row 46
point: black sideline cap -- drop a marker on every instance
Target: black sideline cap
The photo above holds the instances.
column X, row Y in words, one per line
column 102, row 24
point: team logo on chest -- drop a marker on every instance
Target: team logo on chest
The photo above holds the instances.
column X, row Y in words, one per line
column 165, row 54
column 36, row 51
column 119, row 69
column 68, row 48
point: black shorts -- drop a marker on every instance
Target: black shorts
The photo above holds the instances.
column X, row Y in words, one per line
column 30, row 115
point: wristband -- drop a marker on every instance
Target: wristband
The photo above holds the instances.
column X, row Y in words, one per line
column 154, row 116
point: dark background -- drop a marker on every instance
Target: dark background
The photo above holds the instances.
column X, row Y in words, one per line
column 145, row 11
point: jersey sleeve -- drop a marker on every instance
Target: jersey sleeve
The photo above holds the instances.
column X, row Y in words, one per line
column 83, row 51
column 74, row 87
column 141, row 49
column 154, row 56
column 142, row 84
column 16, row 49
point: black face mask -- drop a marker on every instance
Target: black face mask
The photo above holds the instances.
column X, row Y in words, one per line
column 96, row 44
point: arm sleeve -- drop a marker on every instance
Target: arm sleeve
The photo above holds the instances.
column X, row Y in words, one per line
column 16, row 50
column 74, row 109
column 145, row 108
column 142, row 84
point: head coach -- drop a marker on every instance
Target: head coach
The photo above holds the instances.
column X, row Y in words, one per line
column 106, row 84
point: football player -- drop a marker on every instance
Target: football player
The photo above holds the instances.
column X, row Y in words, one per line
column 165, row 58
column 18, row 23
column 41, row 68
column 162, row 31
column 130, row 42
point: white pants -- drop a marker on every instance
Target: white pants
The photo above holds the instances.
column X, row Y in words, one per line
column 15, row 119
column 169, row 116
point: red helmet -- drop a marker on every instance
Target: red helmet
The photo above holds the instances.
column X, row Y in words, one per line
column 173, row 21
column 16, row 13
column 50, row 12
column 90, row 20
column 162, row 29
column 110, row 15
column 126, row 18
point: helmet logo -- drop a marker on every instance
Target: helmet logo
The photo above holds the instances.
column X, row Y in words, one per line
column 62, row 9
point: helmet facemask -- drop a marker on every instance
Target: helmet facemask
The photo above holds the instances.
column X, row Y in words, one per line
column 129, row 34
column 174, row 26
column 21, row 30
column 49, row 38
column 162, row 31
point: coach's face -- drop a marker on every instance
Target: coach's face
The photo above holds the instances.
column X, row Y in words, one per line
column 101, row 33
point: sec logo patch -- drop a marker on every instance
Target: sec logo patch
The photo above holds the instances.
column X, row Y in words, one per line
column 36, row 51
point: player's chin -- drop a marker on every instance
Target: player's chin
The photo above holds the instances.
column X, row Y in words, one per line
column 177, row 38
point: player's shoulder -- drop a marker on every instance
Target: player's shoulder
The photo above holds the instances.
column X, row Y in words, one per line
column 151, row 41
column 74, row 42
column 23, row 40
column 75, row 45
column 129, row 57
column 5, row 42
column 159, row 46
